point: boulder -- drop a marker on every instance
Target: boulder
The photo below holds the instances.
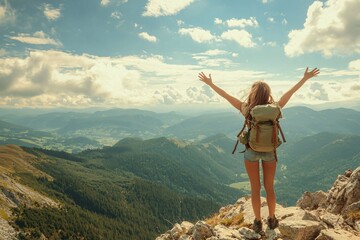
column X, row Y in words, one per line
column 248, row 233
column 202, row 231
column 336, row 234
column 187, row 227
column 224, row 233
column 311, row 201
column 344, row 192
column 299, row 229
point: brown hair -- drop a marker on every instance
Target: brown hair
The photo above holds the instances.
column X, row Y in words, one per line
column 260, row 94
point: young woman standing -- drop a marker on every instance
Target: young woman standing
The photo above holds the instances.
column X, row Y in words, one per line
column 260, row 94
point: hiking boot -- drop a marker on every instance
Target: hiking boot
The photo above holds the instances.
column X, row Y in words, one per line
column 257, row 226
column 272, row 222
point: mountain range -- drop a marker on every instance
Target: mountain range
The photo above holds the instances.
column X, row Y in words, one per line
column 108, row 126
column 151, row 177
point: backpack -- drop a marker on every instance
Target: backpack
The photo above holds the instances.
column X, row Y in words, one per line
column 261, row 129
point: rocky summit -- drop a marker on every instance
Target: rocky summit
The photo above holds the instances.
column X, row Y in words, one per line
column 331, row 215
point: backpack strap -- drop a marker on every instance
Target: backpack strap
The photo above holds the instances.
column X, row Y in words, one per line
column 276, row 127
column 241, row 131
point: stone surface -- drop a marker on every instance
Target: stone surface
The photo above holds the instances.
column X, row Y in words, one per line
column 332, row 220
column 312, row 201
column 222, row 232
column 344, row 192
column 187, row 227
column 248, row 233
column 176, row 231
column 336, row 234
column 7, row 232
column 299, row 229
column 202, row 231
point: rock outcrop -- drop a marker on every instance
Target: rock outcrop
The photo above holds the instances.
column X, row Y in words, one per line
column 331, row 215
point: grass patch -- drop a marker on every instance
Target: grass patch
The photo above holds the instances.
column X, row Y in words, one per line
column 4, row 215
column 354, row 215
column 236, row 221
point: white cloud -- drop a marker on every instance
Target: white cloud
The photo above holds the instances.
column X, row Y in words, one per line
column 271, row 44
column 156, row 8
column 3, row 52
column 51, row 13
column 55, row 78
column 38, row 38
column 218, row 21
column 271, row 19
column 211, row 58
column 197, row 34
column 147, row 37
column 104, row 2
column 284, row 22
column 265, row 1
column 242, row 37
column 234, row 22
column 116, row 15
column 107, row 2
column 179, row 22
column 7, row 14
column 330, row 28
column 354, row 65
column 215, row 52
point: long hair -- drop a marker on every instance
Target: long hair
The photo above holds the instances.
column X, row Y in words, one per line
column 259, row 94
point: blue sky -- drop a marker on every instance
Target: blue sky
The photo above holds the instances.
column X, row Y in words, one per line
column 147, row 53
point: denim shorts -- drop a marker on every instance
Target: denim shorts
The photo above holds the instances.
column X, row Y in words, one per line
column 253, row 156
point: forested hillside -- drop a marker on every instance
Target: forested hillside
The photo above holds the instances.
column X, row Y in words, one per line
column 115, row 194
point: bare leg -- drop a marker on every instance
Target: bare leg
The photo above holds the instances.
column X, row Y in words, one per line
column 269, row 169
column 252, row 169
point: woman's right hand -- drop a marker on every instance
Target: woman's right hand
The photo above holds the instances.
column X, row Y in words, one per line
column 205, row 79
column 312, row 73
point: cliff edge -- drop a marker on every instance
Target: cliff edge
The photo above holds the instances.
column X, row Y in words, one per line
column 331, row 215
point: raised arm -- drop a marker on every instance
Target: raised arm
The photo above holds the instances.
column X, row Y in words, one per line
column 208, row 80
column 307, row 75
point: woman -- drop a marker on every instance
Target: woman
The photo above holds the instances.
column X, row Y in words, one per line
column 260, row 94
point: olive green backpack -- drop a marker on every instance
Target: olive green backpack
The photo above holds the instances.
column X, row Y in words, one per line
column 261, row 129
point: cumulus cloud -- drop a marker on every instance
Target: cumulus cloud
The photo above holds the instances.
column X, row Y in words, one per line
column 62, row 79
column 317, row 91
column 38, row 38
column 234, row 22
column 156, row 8
column 51, row 13
column 7, row 13
column 330, row 28
column 197, row 34
column 354, row 65
column 242, row 37
column 168, row 95
column 147, row 37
